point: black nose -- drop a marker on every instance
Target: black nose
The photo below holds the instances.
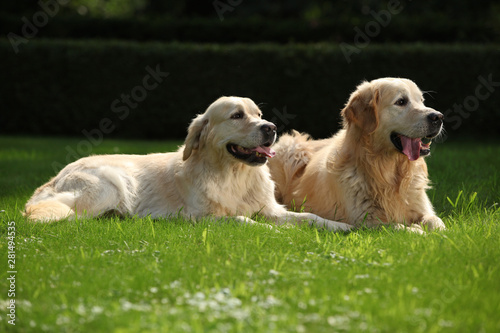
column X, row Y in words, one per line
column 268, row 129
column 435, row 118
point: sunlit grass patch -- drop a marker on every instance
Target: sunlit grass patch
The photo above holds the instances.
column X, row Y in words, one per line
column 130, row 274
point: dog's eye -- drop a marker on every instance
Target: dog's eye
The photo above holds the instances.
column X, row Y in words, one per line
column 237, row 115
column 402, row 101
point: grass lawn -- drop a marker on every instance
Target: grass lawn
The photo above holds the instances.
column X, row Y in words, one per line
column 170, row 275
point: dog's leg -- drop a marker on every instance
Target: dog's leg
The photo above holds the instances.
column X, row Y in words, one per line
column 429, row 219
column 243, row 220
column 316, row 221
column 246, row 220
column 432, row 222
column 415, row 228
column 281, row 216
column 48, row 204
column 83, row 194
column 106, row 190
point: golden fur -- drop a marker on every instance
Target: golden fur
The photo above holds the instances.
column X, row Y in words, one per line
column 203, row 178
column 358, row 176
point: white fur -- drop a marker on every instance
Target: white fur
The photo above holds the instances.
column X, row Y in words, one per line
column 201, row 179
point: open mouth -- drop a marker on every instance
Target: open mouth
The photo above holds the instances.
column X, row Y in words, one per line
column 413, row 148
column 253, row 156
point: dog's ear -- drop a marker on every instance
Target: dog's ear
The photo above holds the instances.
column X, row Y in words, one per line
column 361, row 109
column 193, row 139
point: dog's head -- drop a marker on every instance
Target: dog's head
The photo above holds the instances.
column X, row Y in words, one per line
column 392, row 111
column 232, row 127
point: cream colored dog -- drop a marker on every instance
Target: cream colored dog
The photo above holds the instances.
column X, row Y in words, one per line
column 372, row 171
column 220, row 171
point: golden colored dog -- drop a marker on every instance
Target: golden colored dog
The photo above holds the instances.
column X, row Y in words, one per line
column 220, row 171
column 372, row 171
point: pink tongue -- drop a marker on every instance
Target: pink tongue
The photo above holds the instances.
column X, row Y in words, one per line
column 265, row 150
column 411, row 147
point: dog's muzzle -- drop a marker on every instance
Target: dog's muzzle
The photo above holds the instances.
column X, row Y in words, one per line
column 256, row 155
column 269, row 133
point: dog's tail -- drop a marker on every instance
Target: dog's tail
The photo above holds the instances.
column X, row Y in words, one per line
column 293, row 153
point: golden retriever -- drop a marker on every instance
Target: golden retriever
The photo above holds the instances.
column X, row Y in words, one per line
column 372, row 171
column 220, row 171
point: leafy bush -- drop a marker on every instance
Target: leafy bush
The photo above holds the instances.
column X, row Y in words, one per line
column 81, row 87
column 402, row 28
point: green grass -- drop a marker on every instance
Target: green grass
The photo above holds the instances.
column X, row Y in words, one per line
column 143, row 275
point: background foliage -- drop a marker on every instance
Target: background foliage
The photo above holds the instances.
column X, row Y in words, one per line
column 73, row 85
column 257, row 21
column 288, row 55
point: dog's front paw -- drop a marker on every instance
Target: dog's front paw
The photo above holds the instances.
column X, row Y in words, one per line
column 338, row 226
column 432, row 222
column 415, row 228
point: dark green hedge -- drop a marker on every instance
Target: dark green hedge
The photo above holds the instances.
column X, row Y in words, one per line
column 68, row 87
column 402, row 28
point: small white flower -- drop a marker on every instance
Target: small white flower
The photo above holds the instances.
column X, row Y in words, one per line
column 273, row 272
column 97, row 309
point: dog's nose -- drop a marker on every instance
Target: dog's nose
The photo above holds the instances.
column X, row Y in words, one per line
column 435, row 118
column 269, row 128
